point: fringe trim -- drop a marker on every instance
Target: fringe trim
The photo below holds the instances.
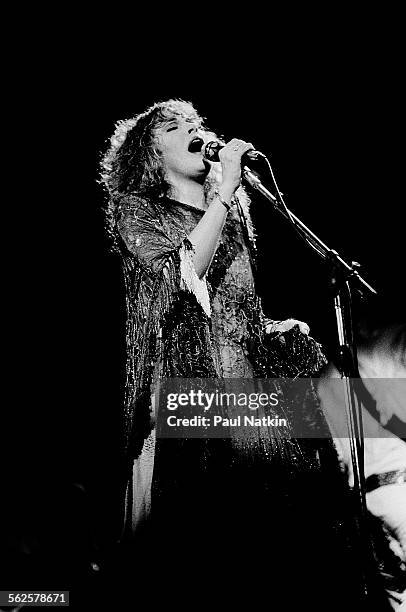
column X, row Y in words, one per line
column 190, row 280
column 147, row 317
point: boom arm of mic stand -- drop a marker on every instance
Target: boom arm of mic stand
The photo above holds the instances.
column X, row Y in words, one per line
column 324, row 251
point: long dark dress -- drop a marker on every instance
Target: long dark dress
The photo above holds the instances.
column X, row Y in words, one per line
column 251, row 512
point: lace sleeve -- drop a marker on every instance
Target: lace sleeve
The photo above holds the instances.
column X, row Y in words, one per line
column 162, row 288
column 159, row 247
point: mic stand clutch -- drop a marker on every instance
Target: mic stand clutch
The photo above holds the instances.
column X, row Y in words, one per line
column 343, row 278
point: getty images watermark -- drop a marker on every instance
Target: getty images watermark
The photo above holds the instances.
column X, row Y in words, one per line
column 293, row 408
column 215, row 400
column 216, row 407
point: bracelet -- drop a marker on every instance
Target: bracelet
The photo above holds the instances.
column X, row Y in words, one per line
column 224, row 203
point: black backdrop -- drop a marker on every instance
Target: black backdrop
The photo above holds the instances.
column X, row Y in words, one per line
column 330, row 128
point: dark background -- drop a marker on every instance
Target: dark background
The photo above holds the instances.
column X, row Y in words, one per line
column 330, row 124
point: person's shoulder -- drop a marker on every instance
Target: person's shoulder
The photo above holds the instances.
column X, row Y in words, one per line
column 134, row 206
column 131, row 202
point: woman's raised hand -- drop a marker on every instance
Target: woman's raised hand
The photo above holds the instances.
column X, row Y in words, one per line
column 272, row 327
column 230, row 158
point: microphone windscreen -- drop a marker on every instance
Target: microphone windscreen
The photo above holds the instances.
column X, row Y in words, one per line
column 211, row 151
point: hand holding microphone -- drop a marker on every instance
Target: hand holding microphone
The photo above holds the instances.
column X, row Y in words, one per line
column 230, row 156
column 211, row 151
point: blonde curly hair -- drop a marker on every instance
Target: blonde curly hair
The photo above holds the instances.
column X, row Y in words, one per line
column 132, row 163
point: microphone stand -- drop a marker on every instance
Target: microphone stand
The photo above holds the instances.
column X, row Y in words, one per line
column 343, row 278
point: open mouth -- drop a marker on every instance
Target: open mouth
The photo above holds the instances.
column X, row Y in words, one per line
column 195, row 145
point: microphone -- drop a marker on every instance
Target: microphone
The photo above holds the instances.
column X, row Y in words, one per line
column 211, row 149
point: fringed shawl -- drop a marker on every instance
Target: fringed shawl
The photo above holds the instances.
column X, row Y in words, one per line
column 179, row 325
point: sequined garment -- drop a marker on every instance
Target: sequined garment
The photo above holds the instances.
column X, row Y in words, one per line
column 186, row 327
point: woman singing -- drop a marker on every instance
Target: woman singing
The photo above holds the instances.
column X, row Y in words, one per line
column 253, row 507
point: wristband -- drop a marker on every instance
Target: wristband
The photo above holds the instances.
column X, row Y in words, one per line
column 224, row 203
